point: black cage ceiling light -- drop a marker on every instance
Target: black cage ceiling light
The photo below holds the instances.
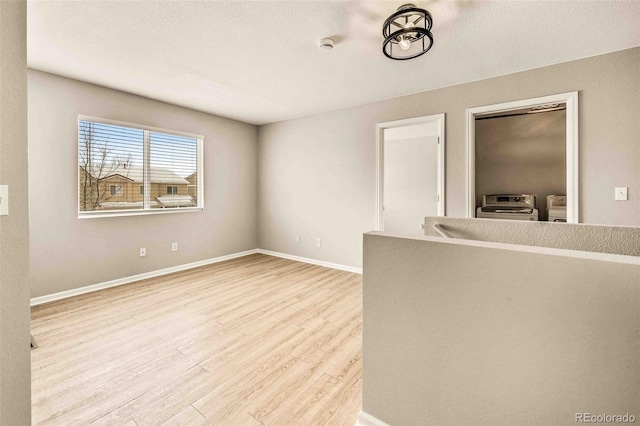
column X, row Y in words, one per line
column 407, row 33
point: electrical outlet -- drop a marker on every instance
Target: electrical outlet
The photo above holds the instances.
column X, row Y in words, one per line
column 297, row 239
column 319, row 242
column 143, row 252
column 174, row 246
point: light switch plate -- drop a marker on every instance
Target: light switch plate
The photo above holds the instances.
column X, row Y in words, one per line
column 621, row 193
column 4, row 200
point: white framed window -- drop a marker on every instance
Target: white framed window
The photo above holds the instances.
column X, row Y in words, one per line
column 115, row 157
column 116, row 190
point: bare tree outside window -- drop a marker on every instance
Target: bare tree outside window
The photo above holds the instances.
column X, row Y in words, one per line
column 98, row 161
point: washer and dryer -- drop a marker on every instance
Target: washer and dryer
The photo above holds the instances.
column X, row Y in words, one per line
column 557, row 208
column 508, row 206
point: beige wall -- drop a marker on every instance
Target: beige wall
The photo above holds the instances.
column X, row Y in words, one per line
column 522, row 154
column 15, row 368
column 513, row 337
column 64, row 249
column 317, row 174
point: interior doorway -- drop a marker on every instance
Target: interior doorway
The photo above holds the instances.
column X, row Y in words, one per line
column 521, row 158
column 410, row 173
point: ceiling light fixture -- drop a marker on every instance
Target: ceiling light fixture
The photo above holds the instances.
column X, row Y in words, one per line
column 412, row 36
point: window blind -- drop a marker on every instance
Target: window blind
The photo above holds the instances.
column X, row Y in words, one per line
column 174, row 168
column 128, row 169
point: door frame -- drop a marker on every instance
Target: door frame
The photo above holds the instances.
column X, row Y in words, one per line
column 380, row 127
column 572, row 173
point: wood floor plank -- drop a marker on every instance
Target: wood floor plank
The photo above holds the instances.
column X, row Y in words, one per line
column 85, row 407
column 187, row 417
column 288, row 388
column 161, row 403
column 257, row 341
column 342, row 407
column 223, row 404
column 89, row 357
column 210, row 345
column 249, row 352
column 306, row 404
column 347, row 365
column 85, row 382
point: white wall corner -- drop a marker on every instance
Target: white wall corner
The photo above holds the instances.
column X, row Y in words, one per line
column 365, row 419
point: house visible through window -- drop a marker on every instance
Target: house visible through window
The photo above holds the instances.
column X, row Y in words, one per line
column 114, row 159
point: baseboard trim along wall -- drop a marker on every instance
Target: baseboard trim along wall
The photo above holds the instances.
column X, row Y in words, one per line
column 365, row 419
column 126, row 280
column 312, row 261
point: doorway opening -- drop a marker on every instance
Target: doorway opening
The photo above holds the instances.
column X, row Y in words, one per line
column 410, row 173
column 536, row 149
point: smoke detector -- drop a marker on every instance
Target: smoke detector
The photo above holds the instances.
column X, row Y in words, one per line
column 326, row 44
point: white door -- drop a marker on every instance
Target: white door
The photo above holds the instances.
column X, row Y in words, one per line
column 410, row 182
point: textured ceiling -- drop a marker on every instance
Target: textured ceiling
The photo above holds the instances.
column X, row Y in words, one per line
column 259, row 61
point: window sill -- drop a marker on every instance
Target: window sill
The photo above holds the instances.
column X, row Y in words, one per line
column 121, row 213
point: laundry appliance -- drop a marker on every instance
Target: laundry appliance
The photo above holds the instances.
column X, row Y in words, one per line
column 557, row 208
column 508, row 206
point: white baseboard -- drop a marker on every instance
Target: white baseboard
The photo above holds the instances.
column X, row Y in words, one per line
column 126, row 280
column 365, row 419
column 312, row 261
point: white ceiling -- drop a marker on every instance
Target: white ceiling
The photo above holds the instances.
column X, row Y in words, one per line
column 259, row 61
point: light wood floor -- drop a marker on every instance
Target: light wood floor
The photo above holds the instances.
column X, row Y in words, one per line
column 257, row 340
